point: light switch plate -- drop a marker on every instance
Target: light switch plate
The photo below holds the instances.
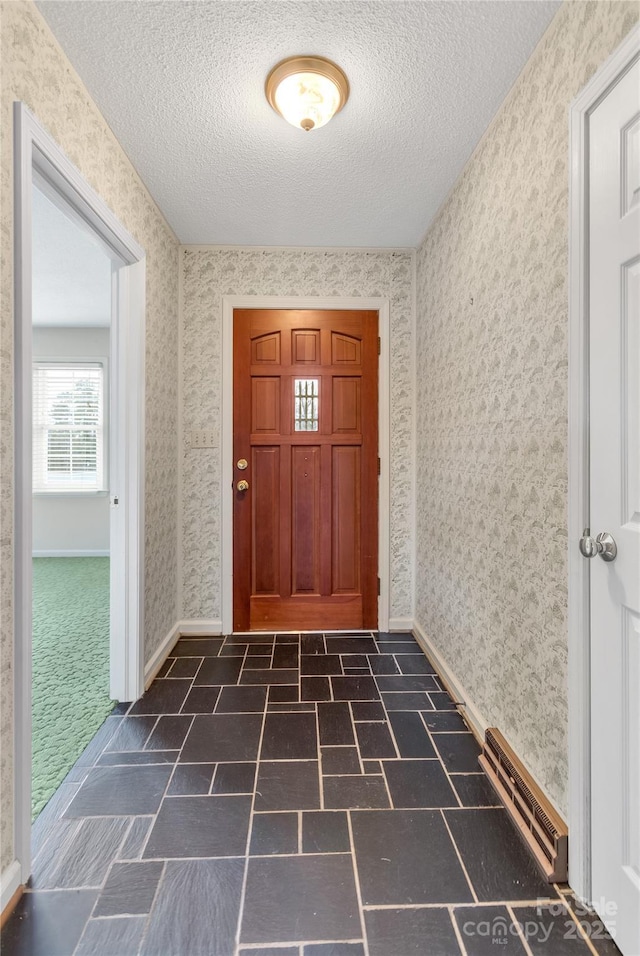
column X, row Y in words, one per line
column 203, row 438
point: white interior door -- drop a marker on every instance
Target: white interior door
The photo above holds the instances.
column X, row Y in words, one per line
column 614, row 374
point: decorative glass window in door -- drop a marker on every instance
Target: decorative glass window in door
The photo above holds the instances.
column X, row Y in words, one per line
column 306, row 404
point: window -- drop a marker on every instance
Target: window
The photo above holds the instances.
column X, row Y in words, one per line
column 306, row 405
column 68, row 427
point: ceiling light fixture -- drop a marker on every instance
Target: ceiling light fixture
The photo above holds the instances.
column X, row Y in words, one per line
column 307, row 90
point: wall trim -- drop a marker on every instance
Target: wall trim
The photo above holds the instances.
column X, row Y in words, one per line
column 181, row 442
column 477, row 723
column 11, row 888
column 414, row 430
column 70, row 554
column 400, row 624
column 213, row 247
column 205, row 627
column 579, row 661
column 367, row 303
column 160, row 655
column 193, row 628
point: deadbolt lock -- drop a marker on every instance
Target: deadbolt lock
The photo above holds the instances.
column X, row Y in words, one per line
column 242, row 463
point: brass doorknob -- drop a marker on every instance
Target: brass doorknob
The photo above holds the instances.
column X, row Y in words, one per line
column 243, row 485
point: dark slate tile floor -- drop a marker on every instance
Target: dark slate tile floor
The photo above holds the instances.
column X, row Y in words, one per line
column 288, row 795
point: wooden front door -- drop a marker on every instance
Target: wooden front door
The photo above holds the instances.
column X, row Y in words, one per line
column 305, row 553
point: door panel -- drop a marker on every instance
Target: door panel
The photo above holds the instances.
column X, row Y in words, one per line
column 305, row 523
column 265, row 349
column 346, row 519
column 631, row 393
column 345, row 405
column 631, row 741
column 345, row 349
column 305, row 346
column 306, row 418
column 614, row 377
column 631, row 165
column 265, row 405
column 265, row 526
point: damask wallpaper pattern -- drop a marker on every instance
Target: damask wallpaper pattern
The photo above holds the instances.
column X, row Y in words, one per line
column 35, row 71
column 491, row 574
column 210, row 273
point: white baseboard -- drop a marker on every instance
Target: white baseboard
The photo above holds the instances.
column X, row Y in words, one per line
column 400, row 624
column 160, row 655
column 198, row 628
column 70, row 554
column 470, row 712
column 9, row 883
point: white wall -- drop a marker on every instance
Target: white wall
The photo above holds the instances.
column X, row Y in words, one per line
column 70, row 524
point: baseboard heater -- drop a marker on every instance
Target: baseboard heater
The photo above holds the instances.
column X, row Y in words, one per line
column 542, row 829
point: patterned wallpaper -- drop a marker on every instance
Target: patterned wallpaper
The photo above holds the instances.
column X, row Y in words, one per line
column 35, row 70
column 210, row 273
column 491, row 383
column 491, row 575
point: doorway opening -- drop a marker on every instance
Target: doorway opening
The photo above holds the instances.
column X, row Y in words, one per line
column 79, row 468
column 381, row 476
column 71, row 317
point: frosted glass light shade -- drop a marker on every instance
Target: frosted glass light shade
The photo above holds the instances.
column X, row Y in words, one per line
column 307, row 91
column 307, row 99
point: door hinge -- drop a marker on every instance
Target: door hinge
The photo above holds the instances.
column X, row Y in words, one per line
column 378, row 587
column 378, row 466
column 379, row 346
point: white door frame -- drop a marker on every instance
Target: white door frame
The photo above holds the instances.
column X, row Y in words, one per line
column 37, row 155
column 357, row 303
column 578, row 517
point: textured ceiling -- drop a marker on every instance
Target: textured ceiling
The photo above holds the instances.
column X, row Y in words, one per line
column 181, row 84
column 71, row 272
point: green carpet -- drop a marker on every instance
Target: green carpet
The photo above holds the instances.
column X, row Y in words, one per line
column 70, row 665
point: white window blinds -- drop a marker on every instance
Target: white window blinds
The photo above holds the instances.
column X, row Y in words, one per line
column 68, row 427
